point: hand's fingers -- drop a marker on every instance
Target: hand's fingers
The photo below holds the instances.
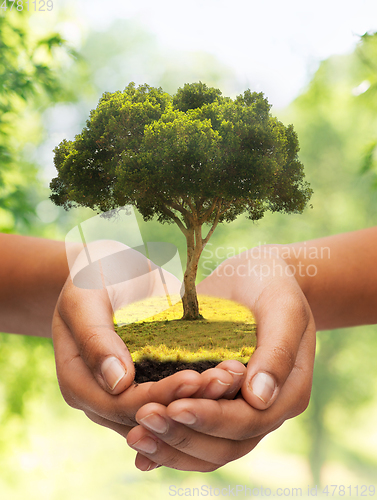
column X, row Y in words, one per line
column 145, row 464
column 166, row 438
column 80, row 389
column 183, row 384
column 214, row 383
column 299, row 382
column 282, row 314
column 121, row 429
column 88, row 316
column 238, row 371
column 156, row 450
column 178, row 448
column 213, row 417
column 169, row 457
column 224, row 381
column 162, row 454
column 234, row 419
column 89, row 299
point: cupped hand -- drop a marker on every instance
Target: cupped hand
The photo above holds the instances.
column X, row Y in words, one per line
column 202, row 435
column 94, row 367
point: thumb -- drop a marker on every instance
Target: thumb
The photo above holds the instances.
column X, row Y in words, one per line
column 87, row 309
column 282, row 316
column 89, row 318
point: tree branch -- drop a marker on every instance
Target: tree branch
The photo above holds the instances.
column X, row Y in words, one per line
column 209, row 210
column 215, row 222
column 176, row 219
column 183, row 211
column 187, row 200
column 199, row 205
column 225, row 208
column 193, row 209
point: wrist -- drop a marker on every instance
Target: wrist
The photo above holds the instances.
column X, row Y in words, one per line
column 294, row 265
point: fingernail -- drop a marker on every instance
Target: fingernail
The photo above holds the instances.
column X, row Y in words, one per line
column 185, row 417
column 155, row 423
column 113, row 371
column 146, row 445
column 217, row 384
column 185, row 390
column 215, row 389
column 263, row 386
column 221, row 382
column 152, row 466
column 235, row 373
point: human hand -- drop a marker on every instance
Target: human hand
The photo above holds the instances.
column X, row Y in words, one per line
column 204, row 435
column 94, row 367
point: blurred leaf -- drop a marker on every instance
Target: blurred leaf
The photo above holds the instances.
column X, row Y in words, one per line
column 369, row 158
column 28, row 79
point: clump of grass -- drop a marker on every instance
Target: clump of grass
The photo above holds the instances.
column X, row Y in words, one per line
column 153, row 330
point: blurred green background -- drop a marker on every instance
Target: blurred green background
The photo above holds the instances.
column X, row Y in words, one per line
column 48, row 85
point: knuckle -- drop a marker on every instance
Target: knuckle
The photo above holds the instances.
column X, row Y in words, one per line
column 181, row 442
column 90, row 345
column 209, row 468
column 282, row 355
column 230, row 453
column 172, row 461
column 303, row 399
column 67, row 300
column 242, row 434
column 65, row 384
column 299, row 408
column 303, row 402
column 69, row 398
column 297, row 308
column 242, row 429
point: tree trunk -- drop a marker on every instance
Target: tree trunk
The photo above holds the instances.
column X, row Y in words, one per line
column 195, row 244
column 190, row 299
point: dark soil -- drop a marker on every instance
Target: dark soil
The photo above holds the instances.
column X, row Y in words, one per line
column 149, row 370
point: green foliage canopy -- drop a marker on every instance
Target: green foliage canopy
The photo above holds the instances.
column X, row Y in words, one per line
column 197, row 158
column 196, row 152
column 28, row 78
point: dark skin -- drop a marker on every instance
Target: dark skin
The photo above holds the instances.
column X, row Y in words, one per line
column 183, row 421
column 341, row 293
column 34, row 278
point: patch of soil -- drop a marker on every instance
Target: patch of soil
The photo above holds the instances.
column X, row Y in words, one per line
column 148, row 370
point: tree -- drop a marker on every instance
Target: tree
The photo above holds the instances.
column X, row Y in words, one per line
column 195, row 158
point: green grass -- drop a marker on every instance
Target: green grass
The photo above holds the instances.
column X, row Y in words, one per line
column 227, row 332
